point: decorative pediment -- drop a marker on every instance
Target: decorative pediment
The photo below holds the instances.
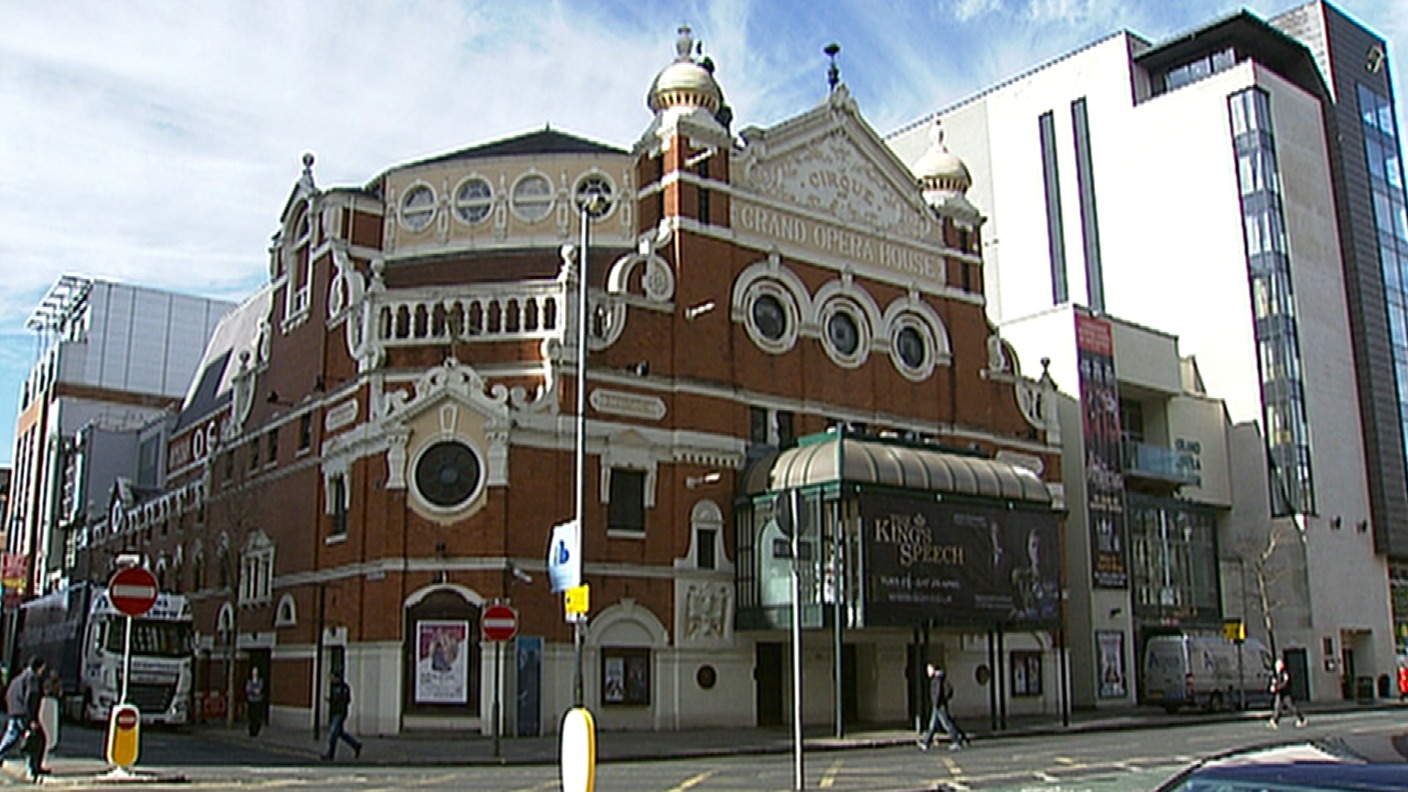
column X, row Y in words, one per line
column 830, row 162
column 453, row 379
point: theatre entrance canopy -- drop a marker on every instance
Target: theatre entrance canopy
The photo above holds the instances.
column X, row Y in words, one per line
column 927, row 536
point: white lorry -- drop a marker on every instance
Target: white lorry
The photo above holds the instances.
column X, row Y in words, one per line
column 81, row 635
column 1206, row 671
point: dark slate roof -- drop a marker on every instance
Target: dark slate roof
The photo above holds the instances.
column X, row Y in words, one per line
column 207, row 396
column 543, row 141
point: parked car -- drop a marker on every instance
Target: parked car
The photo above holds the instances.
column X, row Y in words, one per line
column 1205, row 670
column 1355, row 763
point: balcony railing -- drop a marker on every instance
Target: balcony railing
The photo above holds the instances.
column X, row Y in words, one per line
column 526, row 311
column 1160, row 463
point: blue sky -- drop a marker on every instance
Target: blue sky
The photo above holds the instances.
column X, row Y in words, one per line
column 155, row 142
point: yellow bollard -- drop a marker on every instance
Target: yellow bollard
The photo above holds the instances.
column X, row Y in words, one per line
column 124, row 735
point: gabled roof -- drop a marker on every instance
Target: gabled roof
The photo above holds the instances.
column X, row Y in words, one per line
column 543, row 141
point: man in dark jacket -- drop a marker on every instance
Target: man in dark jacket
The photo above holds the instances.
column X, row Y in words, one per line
column 339, row 701
column 22, row 701
column 1281, row 696
column 940, row 691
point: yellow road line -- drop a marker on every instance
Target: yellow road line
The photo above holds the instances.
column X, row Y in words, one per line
column 695, row 781
column 829, row 777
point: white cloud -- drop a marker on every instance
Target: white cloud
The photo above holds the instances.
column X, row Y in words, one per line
column 156, row 140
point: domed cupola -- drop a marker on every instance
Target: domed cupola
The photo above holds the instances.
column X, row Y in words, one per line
column 687, row 101
column 944, row 179
column 687, row 82
column 940, row 170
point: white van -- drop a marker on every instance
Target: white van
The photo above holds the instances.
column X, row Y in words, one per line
column 1203, row 670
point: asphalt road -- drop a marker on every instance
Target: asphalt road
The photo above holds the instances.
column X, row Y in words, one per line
column 1116, row 761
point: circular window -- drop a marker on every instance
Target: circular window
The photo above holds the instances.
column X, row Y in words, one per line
column 909, row 345
column 593, row 194
column 769, row 317
column 845, row 332
column 448, row 474
column 914, row 348
column 706, row 677
column 473, row 200
column 842, row 332
column 418, row 207
column 532, row 197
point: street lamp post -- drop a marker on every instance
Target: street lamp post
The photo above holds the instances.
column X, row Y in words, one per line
column 592, row 205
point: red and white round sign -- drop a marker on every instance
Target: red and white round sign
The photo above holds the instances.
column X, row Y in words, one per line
column 500, row 623
column 133, row 591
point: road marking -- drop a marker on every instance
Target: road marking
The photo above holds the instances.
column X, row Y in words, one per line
column 699, row 779
column 1065, row 760
column 829, row 777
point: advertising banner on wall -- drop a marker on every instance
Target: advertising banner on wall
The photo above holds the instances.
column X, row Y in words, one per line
column 1110, row 647
column 15, row 576
column 958, row 564
column 442, row 662
column 1100, row 424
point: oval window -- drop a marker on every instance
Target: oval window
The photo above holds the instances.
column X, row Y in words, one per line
column 532, row 197
column 593, row 194
column 910, row 346
column 473, row 200
column 843, row 333
column 418, row 208
column 769, row 317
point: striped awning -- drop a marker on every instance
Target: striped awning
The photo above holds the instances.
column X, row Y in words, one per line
column 846, row 460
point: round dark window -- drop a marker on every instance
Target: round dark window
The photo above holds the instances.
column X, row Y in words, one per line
column 706, row 676
column 769, row 317
column 845, row 336
column 911, row 347
column 448, row 473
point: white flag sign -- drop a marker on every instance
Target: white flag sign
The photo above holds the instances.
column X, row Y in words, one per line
column 564, row 567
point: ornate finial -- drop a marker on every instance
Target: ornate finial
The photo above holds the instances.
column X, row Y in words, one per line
column 936, row 134
column 307, row 178
column 833, row 73
column 684, row 45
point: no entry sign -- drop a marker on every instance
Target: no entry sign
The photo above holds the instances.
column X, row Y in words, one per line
column 500, row 623
column 132, row 591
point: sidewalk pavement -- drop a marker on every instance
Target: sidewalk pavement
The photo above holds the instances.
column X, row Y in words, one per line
column 432, row 748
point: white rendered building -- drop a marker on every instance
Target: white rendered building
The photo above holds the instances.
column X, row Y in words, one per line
column 1188, row 186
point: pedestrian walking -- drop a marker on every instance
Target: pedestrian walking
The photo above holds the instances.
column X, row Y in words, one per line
column 256, row 701
column 22, row 701
column 1281, row 696
column 940, row 693
column 49, row 710
column 1403, row 680
column 339, row 702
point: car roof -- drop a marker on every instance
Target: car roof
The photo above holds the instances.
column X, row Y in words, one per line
column 1355, row 762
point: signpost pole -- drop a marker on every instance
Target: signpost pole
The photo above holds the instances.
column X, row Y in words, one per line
column 798, row 774
column 498, row 671
column 126, row 660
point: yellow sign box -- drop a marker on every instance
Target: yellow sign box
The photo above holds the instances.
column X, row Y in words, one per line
column 1234, row 630
column 577, row 600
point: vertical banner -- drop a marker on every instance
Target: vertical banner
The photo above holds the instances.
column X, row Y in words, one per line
column 1109, row 645
column 564, row 568
column 1100, row 424
column 530, row 685
column 442, row 662
column 14, row 569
